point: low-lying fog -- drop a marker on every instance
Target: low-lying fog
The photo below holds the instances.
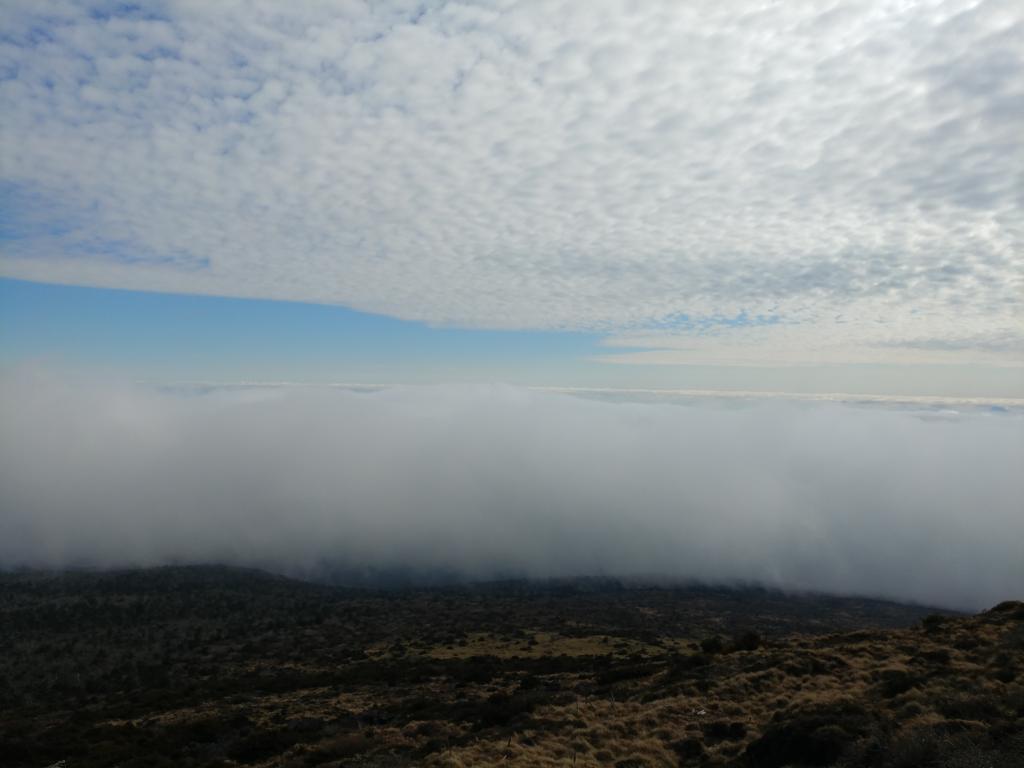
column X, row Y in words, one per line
column 494, row 481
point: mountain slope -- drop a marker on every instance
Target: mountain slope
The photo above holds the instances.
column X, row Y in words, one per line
column 211, row 666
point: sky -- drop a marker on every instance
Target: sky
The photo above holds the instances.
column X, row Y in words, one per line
column 727, row 291
column 804, row 197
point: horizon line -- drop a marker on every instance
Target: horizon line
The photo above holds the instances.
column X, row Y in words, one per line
column 739, row 394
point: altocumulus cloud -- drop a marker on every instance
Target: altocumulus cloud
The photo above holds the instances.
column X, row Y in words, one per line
column 494, row 481
column 849, row 170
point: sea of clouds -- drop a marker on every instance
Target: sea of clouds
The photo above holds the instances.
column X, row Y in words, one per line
column 494, row 481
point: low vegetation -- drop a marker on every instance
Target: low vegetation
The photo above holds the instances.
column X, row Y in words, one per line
column 217, row 667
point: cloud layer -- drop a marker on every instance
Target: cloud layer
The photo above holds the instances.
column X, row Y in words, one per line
column 491, row 481
column 842, row 179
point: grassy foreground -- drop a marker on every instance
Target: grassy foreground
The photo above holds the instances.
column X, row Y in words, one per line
column 222, row 667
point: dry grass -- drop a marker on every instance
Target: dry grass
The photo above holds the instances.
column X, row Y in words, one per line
column 537, row 645
column 373, row 686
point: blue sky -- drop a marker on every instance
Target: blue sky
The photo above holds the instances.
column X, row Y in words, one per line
column 181, row 337
column 176, row 338
column 696, row 195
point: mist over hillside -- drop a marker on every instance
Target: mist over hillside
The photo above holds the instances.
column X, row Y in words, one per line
column 492, row 481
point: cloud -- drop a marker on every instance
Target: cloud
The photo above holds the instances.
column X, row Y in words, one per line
column 912, row 342
column 534, row 165
column 488, row 481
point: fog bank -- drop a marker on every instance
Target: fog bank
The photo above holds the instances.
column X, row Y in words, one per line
column 497, row 481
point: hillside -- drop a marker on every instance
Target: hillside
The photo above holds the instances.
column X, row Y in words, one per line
column 205, row 666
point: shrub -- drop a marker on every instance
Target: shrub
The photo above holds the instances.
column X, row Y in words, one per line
column 747, row 641
column 939, row 656
column 1014, row 609
column 928, row 747
column 1006, row 674
column 687, row 748
column 261, row 745
column 933, row 622
column 627, row 672
column 712, row 644
column 342, row 746
column 723, row 731
column 689, row 662
column 502, row 709
column 813, row 737
column 895, row 682
column 965, row 707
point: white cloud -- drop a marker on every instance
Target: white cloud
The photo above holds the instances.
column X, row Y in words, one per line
column 486, row 481
column 854, row 167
